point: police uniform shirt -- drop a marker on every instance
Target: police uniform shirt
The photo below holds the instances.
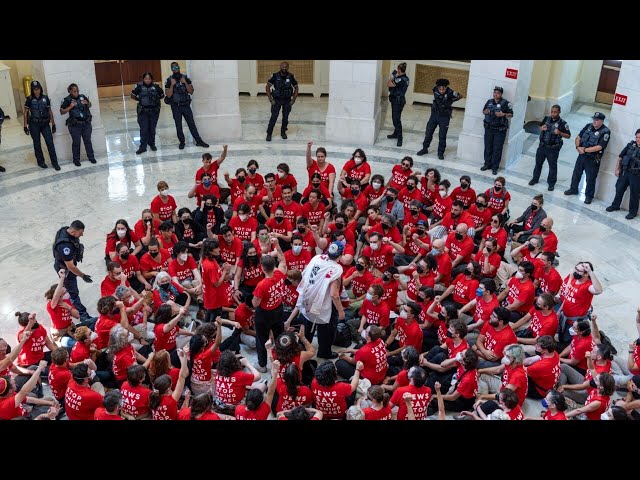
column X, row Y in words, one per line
column 290, row 78
column 66, row 251
column 168, row 83
column 625, row 151
column 401, row 85
column 85, row 108
column 442, row 103
column 552, row 124
column 138, row 89
column 603, row 137
column 43, row 99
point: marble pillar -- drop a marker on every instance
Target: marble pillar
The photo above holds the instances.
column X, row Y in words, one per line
column 483, row 76
column 623, row 122
column 56, row 76
column 215, row 101
column 354, row 112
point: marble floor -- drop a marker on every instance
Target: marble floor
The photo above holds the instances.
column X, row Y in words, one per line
column 35, row 202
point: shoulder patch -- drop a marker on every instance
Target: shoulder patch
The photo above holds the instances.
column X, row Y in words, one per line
column 509, row 105
column 606, row 137
column 566, row 125
column 66, row 250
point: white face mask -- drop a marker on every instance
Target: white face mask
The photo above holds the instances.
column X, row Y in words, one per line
column 66, row 296
column 281, row 174
column 183, row 256
column 376, row 185
column 519, row 275
column 243, row 217
column 296, row 249
column 369, row 297
column 459, row 357
column 374, row 246
column 403, row 314
column 505, row 361
column 358, row 161
column 164, row 192
column 121, row 232
column 443, row 193
column 572, row 332
column 93, row 336
column 605, row 416
column 117, row 276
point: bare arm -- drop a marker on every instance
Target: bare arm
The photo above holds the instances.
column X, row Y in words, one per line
column 335, row 298
column 28, row 386
column 184, row 373
column 309, row 144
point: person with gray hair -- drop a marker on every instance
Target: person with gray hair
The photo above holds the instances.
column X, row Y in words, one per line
column 509, row 374
column 389, row 203
column 138, row 312
column 167, row 291
column 111, row 407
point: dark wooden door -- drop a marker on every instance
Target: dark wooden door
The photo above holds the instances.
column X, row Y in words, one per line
column 125, row 72
column 608, row 81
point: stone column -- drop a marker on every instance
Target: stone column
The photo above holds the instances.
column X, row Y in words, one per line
column 353, row 115
column 216, row 105
column 483, row 76
column 55, row 76
column 623, row 122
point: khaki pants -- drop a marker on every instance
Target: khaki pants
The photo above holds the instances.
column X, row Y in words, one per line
column 489, row 384
column 505, row 272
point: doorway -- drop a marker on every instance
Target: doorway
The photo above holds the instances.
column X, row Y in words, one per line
column 115, row 77
column 608, row 81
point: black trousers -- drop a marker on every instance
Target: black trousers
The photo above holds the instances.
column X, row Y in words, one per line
column 267, row 321
column 36, row 129
column 71, row 284
column 148, row 119
column 184, row 110
column 493, row 143
column 588, row 165
column 81, row 130
column 397, row 105
column 517, row 228
column 345, row 369
column 285, row 105
column 442, row 122
column 326, row 333
column 625, row 180
column 550, row 154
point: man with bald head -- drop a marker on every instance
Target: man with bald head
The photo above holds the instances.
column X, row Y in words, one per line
column 459, row 246
column 545, row 230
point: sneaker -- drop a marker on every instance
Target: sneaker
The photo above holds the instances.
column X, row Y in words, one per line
column 611, row 208
column 588, row 200
column 570, row 192
column 140, row 150
column 260, row 369
column 423, row 151
column 631, row 216
column 43, row 165
column 283, row 135
column 532, row 182
column 153, row 148
column 56, row 167
column 181, row 146
column 484, row 167
column 202, row 144
column 399, row 144
column 268, row 137
column 441, row 156
column 393, row 135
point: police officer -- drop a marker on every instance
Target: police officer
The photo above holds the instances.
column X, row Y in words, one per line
column 552, row 130
column 148, row 95
column 67, row 252
column 37, row 116
column 590, row 143
column 282, row 90
column 398, row 84
column 441, row 109
column 178, row 90
column 2, row 169
column 79, row 122
column 497, row 112
column 628, row 173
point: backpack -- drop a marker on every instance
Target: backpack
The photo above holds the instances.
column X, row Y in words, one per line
column 343, row 335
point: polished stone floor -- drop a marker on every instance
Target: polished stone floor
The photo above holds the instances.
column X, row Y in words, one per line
column 36, row 202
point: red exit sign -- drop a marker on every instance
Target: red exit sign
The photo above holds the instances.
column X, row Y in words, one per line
column 620, row 99
column 511, row 73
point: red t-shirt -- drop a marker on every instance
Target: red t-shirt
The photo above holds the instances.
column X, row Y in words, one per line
column 441, row 206
column 517, row 377
column 287, row 180
column 254, row 204
column 457, row 247
column 130, row 267
column 203, row 363
column 375, row 314
column 211, row 274
column 291, row 211
column 500, row 235
column 355, row 171
column 576, row 297
column 244, row 316
column 420, row 399
column 164, row 210
column 141, row 228
column 604, row 405
column 257, row 181
column 399, row 177
column 409, row 334
column 360, row 284
column 412, row 248
column 135, row 400
column 453, row 350
column 467, row 196
column 165, row 340
column 185, row 414
column 497, row 200
column 314, row 215
column 331, row 401
column 550, row 240
column 480, row 218
column 374, row 357
column 263, row 250
column 79, row 352
column 494, row 260
column 382, row 258
column 252, row 273
column 297, row 262
column 372, row 194
column 406, row 197
column 281, row 228
column 451, row 223
column 412, row 222
column 213, row 171
column 550, row 282
column 324, row 175
column 516, row 414
column 60, row 317
column 122, row 360
column 184, row 271
column 101, row 414
column 468, row 384
column 113, row 240
column 201, row 191
column 393, row 233
column 545, row 373
column 103, row 327
column 538, row 265
column 304, row 396
column 485, row 309
column 33, row 349
column 444, row 268
column 541, row 325
column 157, row 299
column 8, row 409
column 270, row 290
column 80, row 402
column 242, row 230
column 636, row 360
column 290, row 296
column 464, row 290
column 108, row 286
column 148, row 264
column 524, row 292
column 260, row 413
column 167, row 410
column 230, row 252
column 237, row 189
column 383, row 414
column 59, row 377
column 579, row 347
column 558, row 416
column 276, row 196
column 413, row 286
column 167, row 244
column 231, row 390
column 495, row 341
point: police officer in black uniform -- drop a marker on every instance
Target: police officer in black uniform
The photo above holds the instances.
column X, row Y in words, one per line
column 79, row 122
column 67, row 252
column 282, row 90
column 497, row 112
column 178, row 90
column 441, row 109
column 628, row 173
column 148, row 95
column 37, row 116
column 590, row 143
column 398, row 84
column 552, row 130
column 2, row 169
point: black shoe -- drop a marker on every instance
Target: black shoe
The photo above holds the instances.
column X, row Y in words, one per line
column 331, row 356
column 283, row 135
column 2, row 169
column 268, row 137
column 631, row 216
column 532, row 182
column 56, row 167
column 588, row 200
column 399, row 144
column 494, row 171
column 393, row 135
column 423, row 151
column 140, row 150
column 359, row 344
column 92, row 160
column 611, row 208
column 181, row 146
column 76, row 163
column 153, row 147
column 551, row 188
column 570, row 192
column 43, row 165
column 484, row 167
column 202, row 144
column 441, row 156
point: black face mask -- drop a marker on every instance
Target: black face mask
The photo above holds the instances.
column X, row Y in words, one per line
column 389, row 198
column 497, row 189
column 577, row 276
column 454, row 215
column 534, row 207
column 252, row 171
column 531, row 248
column 187, row 221
column 415, row 212
column 441, row 317
column 386, row 226
column 464, row 185
column 241, row 179
column 154, row 254
column 467, row 272
column 115, row 311
column 148, row 220
column 360, row 267
column 592, row 383
column 410, row 187
column 316, row 185
column 542, row 229
column 386, row 278
column 449, row 334
column 459, row 236
column 355, row 192
column 165, row 286
column 279, row 219
column 420, row 231
column 253, row 258
column 480, row 205
column 124, row 255
column 536, row 306
column 208, row 207
column 302, row 229
column 287, row 281
column 420, row 270
column 339, row 226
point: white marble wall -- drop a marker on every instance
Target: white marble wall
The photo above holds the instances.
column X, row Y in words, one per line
column 215, row 105
column 55, row 76
column 353, row 115
column 483, row 76
column 623, row 123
